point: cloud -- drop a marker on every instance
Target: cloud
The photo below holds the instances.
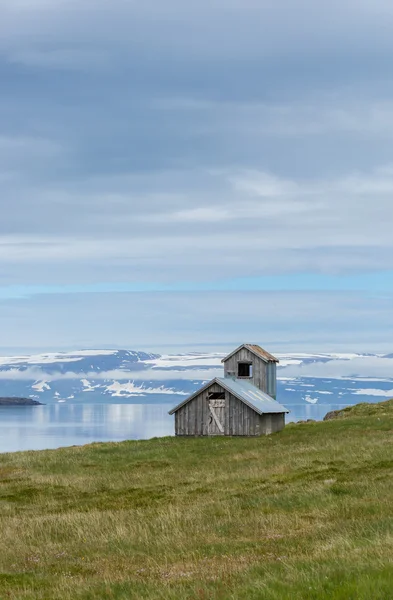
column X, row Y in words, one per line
column 367, row 366
column 27, row 375
column 324, row 321
column 210, row 29
column 79, row 59
column 19, row 154
column 206, row 225
column 36, row 374
column 166, row 143
column 322, row 114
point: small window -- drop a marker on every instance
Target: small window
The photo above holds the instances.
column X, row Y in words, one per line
column 244, row 369
column 216, row 396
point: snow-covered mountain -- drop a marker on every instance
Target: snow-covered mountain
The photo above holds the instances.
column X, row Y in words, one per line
column 123, row 376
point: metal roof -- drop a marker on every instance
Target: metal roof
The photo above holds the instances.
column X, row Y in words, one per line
column 255, row 349
column 243, row 390
column 202, row 389
column 251, row 395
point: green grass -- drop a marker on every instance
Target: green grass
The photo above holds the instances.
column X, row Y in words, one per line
column 380, row 409
column 303, row 514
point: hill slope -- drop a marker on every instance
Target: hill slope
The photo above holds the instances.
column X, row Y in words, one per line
column 130, row 376
column 304, row 514
column 380, row 409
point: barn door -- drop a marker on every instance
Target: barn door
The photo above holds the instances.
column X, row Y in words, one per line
column 216, row 413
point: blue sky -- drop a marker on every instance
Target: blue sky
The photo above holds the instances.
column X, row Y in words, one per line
column 185, row 174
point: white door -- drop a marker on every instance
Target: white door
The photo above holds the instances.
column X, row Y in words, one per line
column 216, row 416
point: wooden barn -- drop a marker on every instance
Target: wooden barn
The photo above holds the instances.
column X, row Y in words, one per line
column 238, row 403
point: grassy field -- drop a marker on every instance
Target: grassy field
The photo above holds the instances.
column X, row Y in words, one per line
column 303, row 514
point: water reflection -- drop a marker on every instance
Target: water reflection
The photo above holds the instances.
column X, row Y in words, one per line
column 52, row 426
column 56, row 425
column 302, row 412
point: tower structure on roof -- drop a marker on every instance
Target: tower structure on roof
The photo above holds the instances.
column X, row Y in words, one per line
column 253, row 363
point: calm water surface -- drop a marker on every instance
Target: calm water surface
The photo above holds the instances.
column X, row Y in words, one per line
column 56, row 425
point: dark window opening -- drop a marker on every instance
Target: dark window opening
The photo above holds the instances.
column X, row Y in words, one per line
column 244, row 370
column 216, row 396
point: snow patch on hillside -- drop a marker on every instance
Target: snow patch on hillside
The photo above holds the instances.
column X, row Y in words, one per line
column 87, row 386
column 129, row 389
column 186, row 360
column 311, row 400
column 373, row 392
column 51, row 358
column 41, row 386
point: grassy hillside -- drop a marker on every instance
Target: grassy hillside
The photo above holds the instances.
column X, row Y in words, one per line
column 303, row 514
column 380, row 409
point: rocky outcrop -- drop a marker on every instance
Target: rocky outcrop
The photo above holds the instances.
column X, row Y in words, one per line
column 334, row 414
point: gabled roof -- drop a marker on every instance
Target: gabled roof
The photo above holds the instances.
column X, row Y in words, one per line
column 255, row 349
column 243, row 390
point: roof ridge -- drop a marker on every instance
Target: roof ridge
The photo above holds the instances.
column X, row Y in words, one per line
column 255, row 349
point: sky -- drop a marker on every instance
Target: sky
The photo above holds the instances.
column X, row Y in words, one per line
column 196, row 174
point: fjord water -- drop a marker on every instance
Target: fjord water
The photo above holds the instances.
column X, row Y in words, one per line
column 56, row 425
column 105, row 395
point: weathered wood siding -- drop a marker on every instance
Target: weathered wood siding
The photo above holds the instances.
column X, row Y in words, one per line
column 242, row 420
column 263, row 373
column 195, row 418
column 272, row 423
column 272, row 379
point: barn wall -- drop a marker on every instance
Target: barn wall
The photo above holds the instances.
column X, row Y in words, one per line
column 271, row 379
column 242, row 420
column 239, row 419
column 272, row 423
column 259, row 367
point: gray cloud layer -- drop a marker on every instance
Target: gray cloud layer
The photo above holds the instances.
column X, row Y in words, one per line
column 171, row 141
column 175, row 226
column 164, row 321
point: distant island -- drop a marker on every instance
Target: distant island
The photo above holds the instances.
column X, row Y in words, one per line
column 19, row 402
